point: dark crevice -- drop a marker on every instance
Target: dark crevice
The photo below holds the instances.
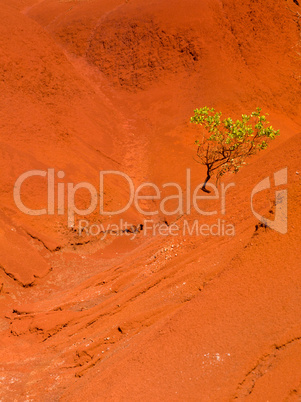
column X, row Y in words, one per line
column 10, row 275
column 247, row 385
column 58, row 248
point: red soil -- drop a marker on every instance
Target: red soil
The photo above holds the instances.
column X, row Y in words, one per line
column 111, row 85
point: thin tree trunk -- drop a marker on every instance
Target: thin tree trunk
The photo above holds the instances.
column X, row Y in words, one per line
column 206, row 181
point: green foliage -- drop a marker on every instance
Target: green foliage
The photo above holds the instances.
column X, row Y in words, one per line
column 225, row 144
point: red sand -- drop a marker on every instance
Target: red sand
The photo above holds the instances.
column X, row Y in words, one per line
column 111, row 85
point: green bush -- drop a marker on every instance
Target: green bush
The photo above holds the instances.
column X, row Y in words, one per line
column 225, row 144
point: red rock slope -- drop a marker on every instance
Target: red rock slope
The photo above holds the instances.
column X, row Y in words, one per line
column 88, row 86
